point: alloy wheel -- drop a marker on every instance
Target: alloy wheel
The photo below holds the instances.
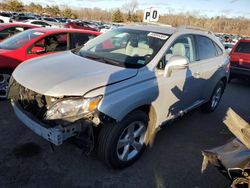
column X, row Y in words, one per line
column 131, row 141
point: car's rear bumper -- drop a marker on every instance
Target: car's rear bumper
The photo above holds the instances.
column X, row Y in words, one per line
column 239, row 71
column 55, row 135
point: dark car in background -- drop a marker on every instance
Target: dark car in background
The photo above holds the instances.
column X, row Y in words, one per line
column 240, row 60
column 80, row 25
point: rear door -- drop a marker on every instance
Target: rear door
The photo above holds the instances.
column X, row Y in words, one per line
column 208, row 65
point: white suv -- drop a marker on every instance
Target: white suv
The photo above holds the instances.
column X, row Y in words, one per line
column 120, row 88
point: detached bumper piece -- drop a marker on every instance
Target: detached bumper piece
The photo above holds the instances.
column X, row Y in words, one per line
column 233, row 158
column 55, row 135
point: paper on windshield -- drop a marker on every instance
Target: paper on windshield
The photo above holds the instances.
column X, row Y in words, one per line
column 158, row 35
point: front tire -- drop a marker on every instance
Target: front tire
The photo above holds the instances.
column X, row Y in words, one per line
column 121, row 144
column 4, row 83
column 214, row 101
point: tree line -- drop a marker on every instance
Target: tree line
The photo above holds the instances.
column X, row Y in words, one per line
column 129, row 13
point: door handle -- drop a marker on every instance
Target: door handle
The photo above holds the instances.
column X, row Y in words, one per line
column 220, row 66
column 197, row 74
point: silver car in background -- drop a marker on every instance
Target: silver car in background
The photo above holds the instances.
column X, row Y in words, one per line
column 120, row 88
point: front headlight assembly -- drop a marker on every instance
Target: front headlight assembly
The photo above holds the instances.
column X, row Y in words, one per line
column 72, row 107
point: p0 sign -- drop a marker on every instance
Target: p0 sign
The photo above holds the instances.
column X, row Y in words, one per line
column 151, row 15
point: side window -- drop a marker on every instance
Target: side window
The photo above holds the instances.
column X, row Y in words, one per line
column 52, row 43
column 79, row 24
column 206, row 48
column 35, row 22
column 219, row 50
column 182, row 46
column 10, row 31
column 79, row 39
column 5, row 33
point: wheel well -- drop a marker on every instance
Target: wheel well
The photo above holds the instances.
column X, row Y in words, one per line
column 224, row 80
column 7, row 70
column 144, row 108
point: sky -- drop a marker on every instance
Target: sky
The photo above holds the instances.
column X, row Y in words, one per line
column 208, row 8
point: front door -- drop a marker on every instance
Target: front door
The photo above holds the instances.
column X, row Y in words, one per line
column 181, row 90
column 48, row 45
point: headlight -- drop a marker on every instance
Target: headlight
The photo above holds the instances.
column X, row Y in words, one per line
column 72, row 107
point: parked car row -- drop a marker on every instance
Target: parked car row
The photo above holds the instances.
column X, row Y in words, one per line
column 115, row 92
column 8, row 17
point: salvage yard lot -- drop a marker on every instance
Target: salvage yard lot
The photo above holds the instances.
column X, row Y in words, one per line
column 26, row 160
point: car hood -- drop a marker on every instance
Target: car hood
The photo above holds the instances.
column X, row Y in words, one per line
column 67, row 74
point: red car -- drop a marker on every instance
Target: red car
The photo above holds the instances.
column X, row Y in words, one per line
column 240, row 59
column 7, row 30
column 79, row 25
column 33, row 43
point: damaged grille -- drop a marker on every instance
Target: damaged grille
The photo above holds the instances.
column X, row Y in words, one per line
column 30, row 101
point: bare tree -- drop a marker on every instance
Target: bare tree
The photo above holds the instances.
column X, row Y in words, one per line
column 131, row 6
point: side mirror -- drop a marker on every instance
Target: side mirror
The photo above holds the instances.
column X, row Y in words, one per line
column 37, row 50
column 175, row 63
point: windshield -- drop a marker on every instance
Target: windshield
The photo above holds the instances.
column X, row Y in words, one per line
column 124, row 47
column 20, row 39
column 243, row 47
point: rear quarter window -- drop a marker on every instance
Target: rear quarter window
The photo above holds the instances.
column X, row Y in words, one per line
column 243, row 47
column 206, row 48
column 219, row 50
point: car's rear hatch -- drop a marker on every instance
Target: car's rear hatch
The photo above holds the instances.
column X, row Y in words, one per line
column 240, row 56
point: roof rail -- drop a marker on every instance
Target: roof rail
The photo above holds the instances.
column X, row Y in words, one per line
column 194, row 28
column 153, row 23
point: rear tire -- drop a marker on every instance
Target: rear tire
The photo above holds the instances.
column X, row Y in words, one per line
column 4, row 83
column 214, row 101
column 121, row 144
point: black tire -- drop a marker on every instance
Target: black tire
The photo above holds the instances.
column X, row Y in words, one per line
column 110, row 134
column 210, row 106
column 3, row 91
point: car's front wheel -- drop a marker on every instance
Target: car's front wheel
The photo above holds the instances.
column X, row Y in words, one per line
column 121, row 144
column 4, row 83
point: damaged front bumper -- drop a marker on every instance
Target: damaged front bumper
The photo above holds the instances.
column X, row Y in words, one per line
column 55, row 135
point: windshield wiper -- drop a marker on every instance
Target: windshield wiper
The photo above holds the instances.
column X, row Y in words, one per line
column 102, row 59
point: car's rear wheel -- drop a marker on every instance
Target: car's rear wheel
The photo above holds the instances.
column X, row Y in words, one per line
column 4, row 83
column 214, row 101
column 121, row 144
